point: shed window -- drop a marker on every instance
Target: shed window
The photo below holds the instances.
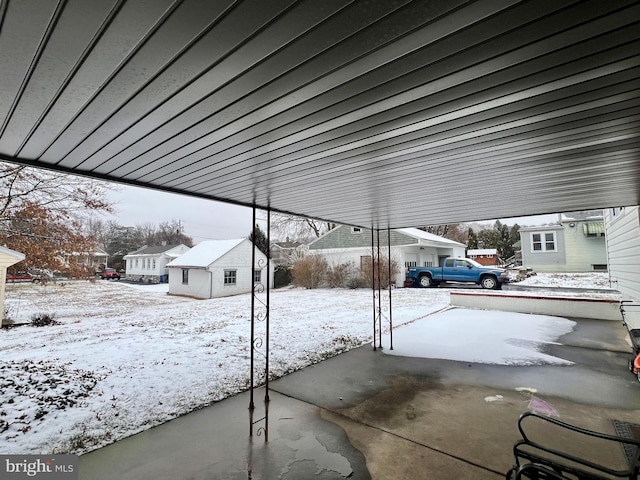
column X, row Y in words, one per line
column 257, row 276
column 185, row 276
column 230, row 277
column 543, row 241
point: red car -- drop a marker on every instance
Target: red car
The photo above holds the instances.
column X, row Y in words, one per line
column 110, row 274
column 22, row 277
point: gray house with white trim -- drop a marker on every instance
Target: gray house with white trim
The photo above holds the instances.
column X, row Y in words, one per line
column 576, row 243
column 409, row 247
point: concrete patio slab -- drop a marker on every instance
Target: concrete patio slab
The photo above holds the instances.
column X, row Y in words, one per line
column 366, row 414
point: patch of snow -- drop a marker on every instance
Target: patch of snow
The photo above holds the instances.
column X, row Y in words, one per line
column 482, row 336
column 597, row 280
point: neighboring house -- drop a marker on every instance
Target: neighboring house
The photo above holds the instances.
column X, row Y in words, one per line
column 575, row 244
column 95, row 261
column 484, row 256
column 623, row 247
column 149, row 264
column 218, row 268
column 409, row 247
column 283, row 255
column 8, row 257
column 283, row 252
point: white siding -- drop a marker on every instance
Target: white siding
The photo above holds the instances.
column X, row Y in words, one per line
column 623, row 245
column 239, row 259
column 198, row 286
column 581, row 251
column 209, row 282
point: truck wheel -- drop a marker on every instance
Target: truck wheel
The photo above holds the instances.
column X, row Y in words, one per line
column 425, row 281
column 489, row 282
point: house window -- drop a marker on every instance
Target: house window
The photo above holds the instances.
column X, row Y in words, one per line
column 154, row 263
column 230, row 277
column 543, row 242
column 257, row 276
column 409, row 264
column 472, row 256
column 428, row 264
column 489, row 255
column 356, row 230
column 185, row 276
column 602, row 267
column 136, row 263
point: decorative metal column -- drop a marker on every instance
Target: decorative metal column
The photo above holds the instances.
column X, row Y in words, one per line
column 379, row 274
column 373, row 288
column 390, row 309
column 381, row 323
column 259, row 342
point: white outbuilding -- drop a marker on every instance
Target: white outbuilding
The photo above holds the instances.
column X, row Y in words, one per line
column 8, row 257
column 218, row 268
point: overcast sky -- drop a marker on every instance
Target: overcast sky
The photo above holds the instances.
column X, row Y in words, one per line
column 206, row 219
column 202, row 219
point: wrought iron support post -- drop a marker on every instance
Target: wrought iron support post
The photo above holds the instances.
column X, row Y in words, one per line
column 259, row 342
column 390, row 309
column 373, row 286
column 267, row 338
column 252, row 405
column 379, row 274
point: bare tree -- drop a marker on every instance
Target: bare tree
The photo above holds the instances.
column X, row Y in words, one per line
column 41, row 215
column 453, row 231
column 301, row 229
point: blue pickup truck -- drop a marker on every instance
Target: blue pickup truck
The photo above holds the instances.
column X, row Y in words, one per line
column 458, row 270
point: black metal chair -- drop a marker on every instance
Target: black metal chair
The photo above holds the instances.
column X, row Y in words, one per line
column 535, row 461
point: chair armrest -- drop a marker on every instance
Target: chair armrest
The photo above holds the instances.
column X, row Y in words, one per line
column 537, row 453
column 568, row 426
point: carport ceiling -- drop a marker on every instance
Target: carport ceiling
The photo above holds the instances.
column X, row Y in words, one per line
column 373, row 113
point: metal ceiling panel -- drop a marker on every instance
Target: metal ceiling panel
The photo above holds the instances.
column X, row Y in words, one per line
column 383, row 113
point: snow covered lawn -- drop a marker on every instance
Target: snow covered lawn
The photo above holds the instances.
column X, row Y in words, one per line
column 124, row 358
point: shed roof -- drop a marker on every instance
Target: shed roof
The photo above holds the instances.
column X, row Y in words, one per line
column 154, row 249
column 482, row 251
column 205, row 253
column 10, row 257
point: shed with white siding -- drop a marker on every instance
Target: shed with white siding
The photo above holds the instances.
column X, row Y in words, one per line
column 8, row 257
column 218, row 268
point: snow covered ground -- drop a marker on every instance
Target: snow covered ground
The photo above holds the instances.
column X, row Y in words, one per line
column 124, row 358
